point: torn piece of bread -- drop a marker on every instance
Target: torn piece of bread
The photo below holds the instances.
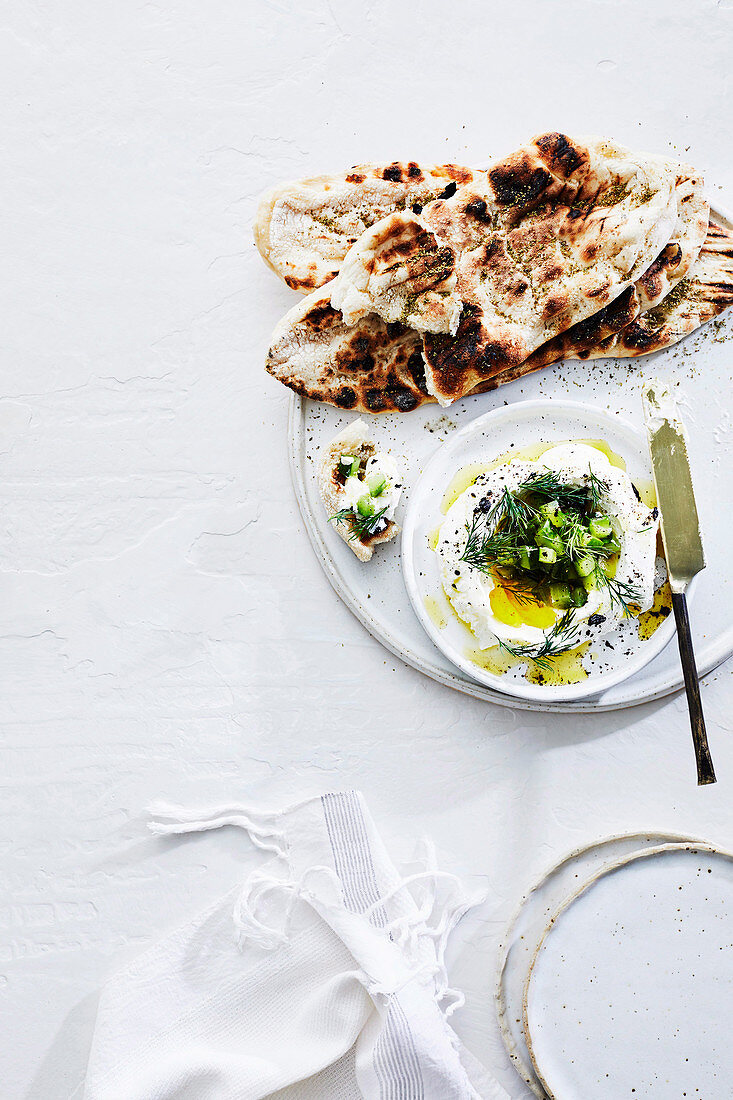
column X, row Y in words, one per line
column 304, row 229
column 360, row 487
column 399, row 270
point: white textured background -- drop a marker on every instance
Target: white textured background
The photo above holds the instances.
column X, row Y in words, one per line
column 165, row 628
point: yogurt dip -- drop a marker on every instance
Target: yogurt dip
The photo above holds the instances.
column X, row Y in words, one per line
column 382, row 473
column 583, row 569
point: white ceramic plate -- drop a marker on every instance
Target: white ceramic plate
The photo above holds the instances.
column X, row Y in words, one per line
column 631, row 991
column 376, row 594
column 499, row 432
column 527, row 930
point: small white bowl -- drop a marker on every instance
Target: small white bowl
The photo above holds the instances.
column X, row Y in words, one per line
column 514, row 428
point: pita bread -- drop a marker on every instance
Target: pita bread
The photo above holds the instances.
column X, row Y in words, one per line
column 304, row 229
column 398, row 270
column 375, row 367
column 353, row 440
column 670, row 267
column 705, row 293
column 370, row 367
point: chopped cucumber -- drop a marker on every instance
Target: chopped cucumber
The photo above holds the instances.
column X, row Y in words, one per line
column 579, row 596
column 600, row 527
column 527, row 556
column 612, row 545
column 546, row 536
column 561, row 595
column 365, row 506
column 589, row 582
column 547, row 555
column 552, row 512
column 377, row 484
column 585, row 565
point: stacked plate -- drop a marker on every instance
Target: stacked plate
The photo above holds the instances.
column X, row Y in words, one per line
column 616, row 976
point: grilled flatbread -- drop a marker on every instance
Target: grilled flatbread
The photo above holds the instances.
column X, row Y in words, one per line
column 374, row 365
column 705, row 293
column 304, row 229
column 559, row 231
column 669, row 268
column 398, row 270
column 546, row 238
column 370, row 367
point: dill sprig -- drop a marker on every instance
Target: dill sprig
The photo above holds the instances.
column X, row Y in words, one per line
column 537, row 543
column 575, row 498
column 361, row 526
column 516, row 512
column 485, row 546
column 565, row 635
column 621, row 593
column 492, row 536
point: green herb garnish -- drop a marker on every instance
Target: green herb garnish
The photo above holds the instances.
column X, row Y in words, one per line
column 564, row 635
column 361, row 526
column 548, row 542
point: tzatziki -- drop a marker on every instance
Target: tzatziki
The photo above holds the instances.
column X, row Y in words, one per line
column 376, row 483
column 539, row 557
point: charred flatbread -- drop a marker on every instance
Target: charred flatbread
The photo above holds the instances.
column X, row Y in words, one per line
column 668, row 269
column 559, row 231
column 546, row 238
column 400, row 271
column 704, row 294
column 304, row 229
column 371, row 366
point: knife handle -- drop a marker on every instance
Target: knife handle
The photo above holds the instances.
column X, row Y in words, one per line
column 705, row 769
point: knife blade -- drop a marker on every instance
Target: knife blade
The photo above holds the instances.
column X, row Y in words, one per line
column 682, row 540
column 679, row 520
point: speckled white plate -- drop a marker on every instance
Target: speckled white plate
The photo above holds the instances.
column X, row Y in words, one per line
column 631, row 990
column 611, row 658
column 536, row 912
column 376, row 593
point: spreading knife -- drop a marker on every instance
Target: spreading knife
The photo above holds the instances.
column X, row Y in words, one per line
column 682, row 543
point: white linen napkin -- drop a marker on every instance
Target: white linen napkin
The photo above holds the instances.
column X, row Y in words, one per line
column 322, row 977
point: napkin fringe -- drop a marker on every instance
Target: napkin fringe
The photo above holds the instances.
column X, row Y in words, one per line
column 170, row 819
column 428, row 919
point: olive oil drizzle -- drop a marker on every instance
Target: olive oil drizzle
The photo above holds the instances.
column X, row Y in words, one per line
column 651, row 620
column 566, row 668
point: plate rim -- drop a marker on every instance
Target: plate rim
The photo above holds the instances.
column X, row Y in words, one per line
column 505, row 945
column 634, row 857
column 409, row 532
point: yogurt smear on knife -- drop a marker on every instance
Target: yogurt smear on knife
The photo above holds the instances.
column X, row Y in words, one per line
column 541, row 556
